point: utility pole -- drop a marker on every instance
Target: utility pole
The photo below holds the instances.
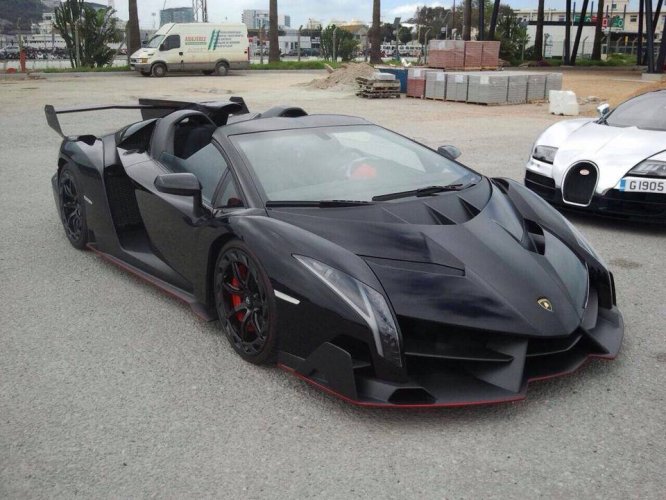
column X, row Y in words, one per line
column 200, row 8
column 299, row 42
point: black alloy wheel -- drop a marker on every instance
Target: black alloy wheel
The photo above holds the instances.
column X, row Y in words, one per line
column 245, row 303
column 72, row 211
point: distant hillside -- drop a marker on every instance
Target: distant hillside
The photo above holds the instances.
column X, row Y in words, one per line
column 23, row 11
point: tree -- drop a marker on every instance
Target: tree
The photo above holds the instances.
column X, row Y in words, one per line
column 404, row 34
column 598, row 32
column 273, row 40
column 538, row 37
column 134, row 35
column 337, row 42
column 431, row 20
column 93, row 30
column 467, row 20
column 375, row 34
column 513, row 37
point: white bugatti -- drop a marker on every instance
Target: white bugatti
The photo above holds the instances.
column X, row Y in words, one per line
column 613, row 165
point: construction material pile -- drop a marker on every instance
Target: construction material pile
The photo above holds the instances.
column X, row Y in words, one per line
column 482, row 87
column 380, row 86
column 462, row 55
column 343, row 78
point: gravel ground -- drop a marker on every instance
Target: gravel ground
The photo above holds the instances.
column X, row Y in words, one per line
column 110, row 388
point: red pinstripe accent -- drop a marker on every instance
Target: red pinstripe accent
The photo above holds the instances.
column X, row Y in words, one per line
column 165, row 287
column 366, row 404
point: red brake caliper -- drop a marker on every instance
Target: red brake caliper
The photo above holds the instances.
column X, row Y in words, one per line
column 236, row 299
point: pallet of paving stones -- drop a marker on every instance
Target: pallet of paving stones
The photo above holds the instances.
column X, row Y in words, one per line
column 372, row 88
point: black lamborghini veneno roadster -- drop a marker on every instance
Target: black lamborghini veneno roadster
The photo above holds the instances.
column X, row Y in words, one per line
column 371, row 266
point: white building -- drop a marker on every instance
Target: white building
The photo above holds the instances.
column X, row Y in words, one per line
column 256, row 19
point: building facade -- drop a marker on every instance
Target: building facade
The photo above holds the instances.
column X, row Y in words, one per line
column 257, row 19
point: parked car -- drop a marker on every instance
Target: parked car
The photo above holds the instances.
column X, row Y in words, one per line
column 613, row 165
column 373, row 267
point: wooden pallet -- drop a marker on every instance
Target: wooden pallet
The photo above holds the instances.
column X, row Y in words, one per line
column 378, row 95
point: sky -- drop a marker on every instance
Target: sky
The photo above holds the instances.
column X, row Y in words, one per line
column 301, row 10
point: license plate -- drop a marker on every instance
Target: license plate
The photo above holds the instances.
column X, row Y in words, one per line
column 642, row 185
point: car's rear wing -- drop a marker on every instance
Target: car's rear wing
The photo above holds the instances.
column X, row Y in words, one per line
column 219, row 111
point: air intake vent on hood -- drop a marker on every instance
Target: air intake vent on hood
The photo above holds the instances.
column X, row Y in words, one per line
column 471, row 209
column 439, row 217
column 536, row 236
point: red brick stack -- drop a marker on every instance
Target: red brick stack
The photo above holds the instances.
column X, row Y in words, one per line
column 473, row 55
column 446, row 54
column 490, row 54
column 416, row 81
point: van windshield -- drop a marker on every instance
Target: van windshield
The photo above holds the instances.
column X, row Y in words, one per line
column 155, row 41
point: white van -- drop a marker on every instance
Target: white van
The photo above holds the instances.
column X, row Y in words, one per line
column 209, row 48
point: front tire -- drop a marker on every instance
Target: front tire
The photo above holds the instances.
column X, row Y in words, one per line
column 72, row 209
column 158, row 70
column 245, row 303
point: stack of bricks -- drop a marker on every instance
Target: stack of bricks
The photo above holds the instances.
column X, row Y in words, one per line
column 490, row 55
column 473, row 55
column 446, row 54
column 416, row 82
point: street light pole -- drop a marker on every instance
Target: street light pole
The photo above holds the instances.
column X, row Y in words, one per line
column 299, row 42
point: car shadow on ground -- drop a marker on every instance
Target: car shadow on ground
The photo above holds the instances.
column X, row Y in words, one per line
column 613, row 224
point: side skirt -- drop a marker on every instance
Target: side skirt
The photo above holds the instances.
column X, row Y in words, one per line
column 197, row 307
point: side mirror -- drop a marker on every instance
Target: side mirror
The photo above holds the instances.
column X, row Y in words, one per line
column 162, row 47
column 450, row 152
column 603, row 110
column 182, row 184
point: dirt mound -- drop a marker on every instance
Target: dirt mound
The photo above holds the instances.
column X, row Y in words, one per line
column 344, row 77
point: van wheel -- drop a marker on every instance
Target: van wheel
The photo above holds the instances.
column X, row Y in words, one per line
column 158, row 70
column 208, row 72
column 221, row 69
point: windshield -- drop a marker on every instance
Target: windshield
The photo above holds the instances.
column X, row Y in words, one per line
column 155, row 41
column 344, row 163
column 647, row 111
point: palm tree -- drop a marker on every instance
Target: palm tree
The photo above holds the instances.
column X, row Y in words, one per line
column 134, row 39
column 376, row 34
column 538, row 37
column 274, row 43
column 467, row 20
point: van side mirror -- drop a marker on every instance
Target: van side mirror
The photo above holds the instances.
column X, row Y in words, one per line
column 181, row 184
column 448, row 151
column 162, row 47
column 603, row 110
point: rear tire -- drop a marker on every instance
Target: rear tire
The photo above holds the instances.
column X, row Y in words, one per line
column 72, row 209
column 158, row 70
column 221, row 69
column 245, row 303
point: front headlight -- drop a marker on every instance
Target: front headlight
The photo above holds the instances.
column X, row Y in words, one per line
column 367, row 302
column 144, row 60
column 545, row 154
column 652, row 168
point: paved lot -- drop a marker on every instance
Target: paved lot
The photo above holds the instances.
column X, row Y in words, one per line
column 109, row 388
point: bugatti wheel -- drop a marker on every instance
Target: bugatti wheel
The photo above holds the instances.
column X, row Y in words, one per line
column 245, row 303
column 72, row 211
